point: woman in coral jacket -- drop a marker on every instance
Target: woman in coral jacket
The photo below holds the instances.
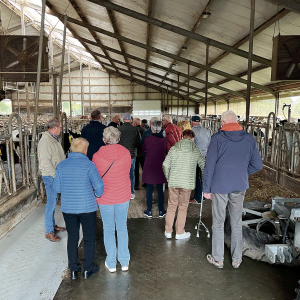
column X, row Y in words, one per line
column 113, row 162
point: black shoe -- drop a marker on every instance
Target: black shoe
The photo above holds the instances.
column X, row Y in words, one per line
column 87, row 274
column 74, row 274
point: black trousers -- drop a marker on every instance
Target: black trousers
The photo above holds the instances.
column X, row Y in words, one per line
column 138, row 161
column 88, row 223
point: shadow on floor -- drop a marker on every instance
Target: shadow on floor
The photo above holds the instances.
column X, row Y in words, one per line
column 169, row 269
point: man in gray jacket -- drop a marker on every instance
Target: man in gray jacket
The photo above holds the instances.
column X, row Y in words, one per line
column 202, row 140
column 50, row 153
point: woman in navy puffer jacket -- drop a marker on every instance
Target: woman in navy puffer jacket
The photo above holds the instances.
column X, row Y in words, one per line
column 75, row 179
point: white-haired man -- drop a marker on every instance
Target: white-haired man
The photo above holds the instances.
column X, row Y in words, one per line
column 232, row 156
column 173, row 132
column 115, row 121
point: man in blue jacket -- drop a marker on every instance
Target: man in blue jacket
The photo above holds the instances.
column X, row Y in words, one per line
column 76, row 179
column 93, row 133
column 231, row 157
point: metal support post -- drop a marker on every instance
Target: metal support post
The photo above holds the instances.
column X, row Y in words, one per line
column 188, row 93
column 81, row 88
column 69, row 72
column 18, row 96
column 172, row 97
column 177, row 96
column 206, row 79
column 109, row 104
column 62, row 65
column 276, row 104
column 90, row 95
column 34, row 135
column 167, row 99
column 227, row 104
column 250, row 54
column 215, row 107
column 54, row 88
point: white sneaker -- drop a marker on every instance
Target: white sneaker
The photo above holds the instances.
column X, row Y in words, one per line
column 111, row 270
column 168, row 235
column 125, row 268
column 132, row 196
column 185, row 235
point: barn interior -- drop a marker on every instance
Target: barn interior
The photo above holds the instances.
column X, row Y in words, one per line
column 149, row 58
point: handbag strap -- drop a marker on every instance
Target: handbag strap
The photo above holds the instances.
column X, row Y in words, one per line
column 107, row 169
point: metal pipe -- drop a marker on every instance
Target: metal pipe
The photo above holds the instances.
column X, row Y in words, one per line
column 62, row 65
column 178, row 30
column 54, row 88
column 206, row 79
column 188, row 93
column 81, row 89
column 168, row 99
column 33, row 143
column 178, row 95
column 109, row 104
column 18, row 96
column 276, row 104
column 172, row 97
column 250, row 57
column 26, row 144
column 9, row 123
column 90, row 95
column 69, row 72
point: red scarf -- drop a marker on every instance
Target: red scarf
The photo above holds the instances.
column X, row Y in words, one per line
column 231, row 127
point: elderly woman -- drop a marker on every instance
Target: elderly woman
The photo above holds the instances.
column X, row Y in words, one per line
column 180, row 170
column 75, row 179
column 155, row 149
column 113, row 162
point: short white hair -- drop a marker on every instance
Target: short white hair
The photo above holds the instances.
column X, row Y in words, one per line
column 154, row 119
column 168, row 118
column 229, row 116
column 111, row 135
column 137, row 121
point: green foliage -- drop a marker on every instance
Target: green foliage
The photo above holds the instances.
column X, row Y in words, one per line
column 76, row 107
column 5, row 107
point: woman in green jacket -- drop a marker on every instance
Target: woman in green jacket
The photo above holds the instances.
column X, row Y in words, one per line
column 180, row 171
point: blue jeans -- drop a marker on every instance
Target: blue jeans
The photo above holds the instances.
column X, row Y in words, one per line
column 115, row 217
column 160, row 196
column 198, row 189
column 131, row 174
column 51, row 203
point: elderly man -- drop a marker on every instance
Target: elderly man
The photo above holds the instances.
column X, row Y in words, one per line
column 50, row 154
column 79, row 182
column 131, row 140
column 231, row 157
column 173, row 132
column 202, row 140
column 140, row 157
column 115, row 121
column 148, row 131
column 93, row 133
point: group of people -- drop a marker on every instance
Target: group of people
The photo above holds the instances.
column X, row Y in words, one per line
column 103, row 168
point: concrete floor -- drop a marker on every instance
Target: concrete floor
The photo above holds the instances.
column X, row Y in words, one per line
column 170, row 269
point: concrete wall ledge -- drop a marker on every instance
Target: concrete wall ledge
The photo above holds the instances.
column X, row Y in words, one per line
column 280, row 178
column 14, row 210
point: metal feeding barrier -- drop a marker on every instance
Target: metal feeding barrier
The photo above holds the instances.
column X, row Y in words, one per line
column 15, row 163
